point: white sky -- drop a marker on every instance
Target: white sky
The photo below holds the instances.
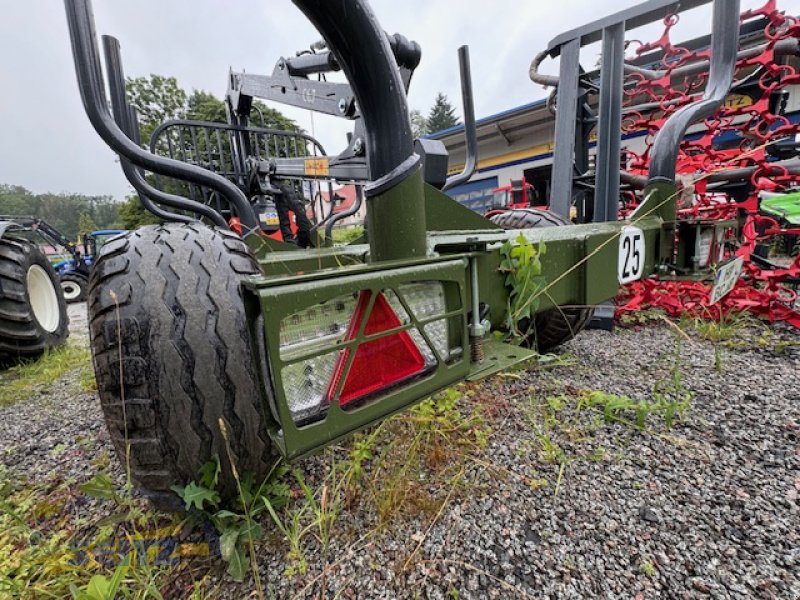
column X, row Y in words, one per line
column 47, row 144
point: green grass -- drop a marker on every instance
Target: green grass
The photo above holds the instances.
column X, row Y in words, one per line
column 48, row 549
column 23, row 380
column 345, row 235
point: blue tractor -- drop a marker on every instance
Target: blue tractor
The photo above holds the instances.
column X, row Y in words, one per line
column 74, row 271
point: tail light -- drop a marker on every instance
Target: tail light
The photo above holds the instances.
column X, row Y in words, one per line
column 353, row 348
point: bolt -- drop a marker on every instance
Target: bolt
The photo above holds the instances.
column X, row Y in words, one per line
column 358, row 146
column 477, row 353
column 342, row 105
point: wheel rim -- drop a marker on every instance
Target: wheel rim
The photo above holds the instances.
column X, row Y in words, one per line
column 71, row 290
column 43, row 298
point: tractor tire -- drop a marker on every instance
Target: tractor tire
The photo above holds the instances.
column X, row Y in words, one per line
column 172, row 356
column 74, row 286
column 556, row 326
column 33, row 314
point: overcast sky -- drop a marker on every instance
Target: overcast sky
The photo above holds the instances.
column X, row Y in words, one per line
column 47, row 144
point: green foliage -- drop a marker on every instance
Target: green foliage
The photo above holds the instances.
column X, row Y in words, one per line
column 347, row 235
column 132, row 214
column 102, row 588
column 419, row 124
column 521, row 262
column 564, row 425
column 47, row 546
column 23, row 380
column 649, row 569
column 157, row 99
column 86, row 224
column 65, row 212
column 442, row 115
column 100, row 486
column 235, row 520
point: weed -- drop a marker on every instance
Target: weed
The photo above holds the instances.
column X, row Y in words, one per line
column 423, row 448
column 108, row 555
column 521, row 262
column 648, row 568
column 564, row 424
column 347, row 235
column 87, row 381
column 21, row 381
column 642, row 317
column 235, row 521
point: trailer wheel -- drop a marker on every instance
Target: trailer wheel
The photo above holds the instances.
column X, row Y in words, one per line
column 33, row 314
column 172, row 355
column 556, row 326
column 74, row 286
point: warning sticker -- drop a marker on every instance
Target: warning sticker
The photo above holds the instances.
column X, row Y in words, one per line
column 317, row 167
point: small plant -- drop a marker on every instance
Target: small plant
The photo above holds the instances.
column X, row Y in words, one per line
column 102, row 588
column 346, row 235
column 234, row 521
column 521, row 262
column 649, row 569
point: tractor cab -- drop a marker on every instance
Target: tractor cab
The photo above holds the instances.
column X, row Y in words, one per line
column 520, row 194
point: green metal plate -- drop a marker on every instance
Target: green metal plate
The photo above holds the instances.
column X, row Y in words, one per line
column 499, row 356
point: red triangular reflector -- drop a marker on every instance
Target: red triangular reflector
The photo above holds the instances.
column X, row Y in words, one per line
column 380, row 363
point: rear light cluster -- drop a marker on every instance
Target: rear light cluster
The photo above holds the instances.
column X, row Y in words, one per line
column 392, row 349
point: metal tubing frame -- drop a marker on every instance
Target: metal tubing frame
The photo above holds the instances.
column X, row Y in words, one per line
column 724, row 52
column 90, row 83
column 470, row 128
column 125, row 117
column 566, row 127
column 609, row 125
column 375, row 78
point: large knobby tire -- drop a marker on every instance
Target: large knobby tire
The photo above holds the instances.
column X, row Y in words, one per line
column 553, row 327
column 183, row 356
column 33, row 314
column 74, row 286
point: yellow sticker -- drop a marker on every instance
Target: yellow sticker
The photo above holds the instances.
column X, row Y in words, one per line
column 738, row 101
column 317, row 167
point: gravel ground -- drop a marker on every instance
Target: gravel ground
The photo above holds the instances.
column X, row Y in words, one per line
column 708, row 508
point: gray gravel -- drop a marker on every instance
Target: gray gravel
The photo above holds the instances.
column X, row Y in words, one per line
column 56, row 433
column 707, row 509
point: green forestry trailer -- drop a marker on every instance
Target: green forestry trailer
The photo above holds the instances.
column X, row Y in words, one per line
column 193, row 325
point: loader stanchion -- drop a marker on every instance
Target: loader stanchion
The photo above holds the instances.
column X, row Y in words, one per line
column 394, row 168
column 470, row 128
column 90, row 83
column 126, row 119
column 724, row 53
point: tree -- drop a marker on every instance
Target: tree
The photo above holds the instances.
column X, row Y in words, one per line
column 86, row 224
column 419, row 125
column 132, row 214
column 65, row 212
column 157, row 99
column 442, row 115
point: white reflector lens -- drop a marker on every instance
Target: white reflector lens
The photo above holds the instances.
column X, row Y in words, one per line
column 305, row 384
column 307, row 381
column 317, row 327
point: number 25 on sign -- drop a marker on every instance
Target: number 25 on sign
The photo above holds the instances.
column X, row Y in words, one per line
column 630, row 266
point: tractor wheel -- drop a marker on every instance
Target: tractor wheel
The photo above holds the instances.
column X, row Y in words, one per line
column 33, row 314
column 556, row 326
column 172, row 356
column 74, row 285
